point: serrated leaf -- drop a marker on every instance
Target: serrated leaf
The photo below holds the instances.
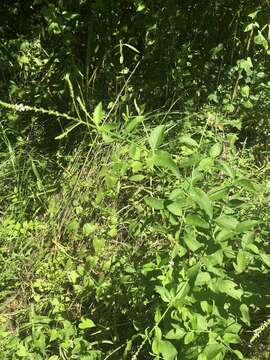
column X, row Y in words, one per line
column 156, row 137
column 215, row 150
column 227, row 222
column 86, row 324
column 200, row 197
column 154, row 203
column 197, row 221
column 191, row 242
column 164, row 160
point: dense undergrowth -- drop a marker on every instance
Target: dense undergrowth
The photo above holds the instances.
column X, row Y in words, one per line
column 135, row 187
column 152, row 242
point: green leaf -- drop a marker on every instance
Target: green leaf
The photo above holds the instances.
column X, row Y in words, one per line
column 226, row 168
column 86, row 324
column 211, row 351
column 89, row 228
column 98, row 244
column 197, row 221
column 241, row 262
column 22, row 351
column 154, row 203
column 227, row 222
column 167, row 350
column 245, row 90
column 176, row 207
column 137, row 177
column 164, row 160
column 218, row 193
column 98, row 114
column 188, row 141
column 216, row 150
column 200, row 197
column 229, row 287
column 175, row 334
column 205, row 164
column 246, row 225
column 246, row 184
column 245, row 314
column 261, row 40
column 191, row 242
column 133, row 123
column 156, row 137
column 164, row 293
column 266, row 259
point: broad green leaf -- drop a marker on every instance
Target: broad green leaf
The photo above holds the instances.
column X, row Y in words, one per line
column 211, row 351
column 156, row 137
column 200, row 197
column 189, row 161
column 154, row 203
column 89, row 228
column 203, row 278
column 98, row 114
column 164, row 293
column 246, row 184
column 175, row 334
column 229, row 287
column 197, row 221
column 137, row 178
column 22, row 351
column 266, row 259
column 176, row 207
column 205, row 164
column 245, row 90
column 241, row 262
column 98, row 244
column 226, row 168
column 167, row 350
column 245, row 314
column 177, row 194
column 225, row 235
column 246, row 225
column 164, row 160
column 133, row 123
column 182, row 291
column 86, row 324
column 261, row 40
column 218, row 193
column 191, row 242
column 188, row 141
column 227, row 222
column 216, row 150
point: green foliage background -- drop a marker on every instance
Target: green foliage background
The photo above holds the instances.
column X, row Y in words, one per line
column 135, row 179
